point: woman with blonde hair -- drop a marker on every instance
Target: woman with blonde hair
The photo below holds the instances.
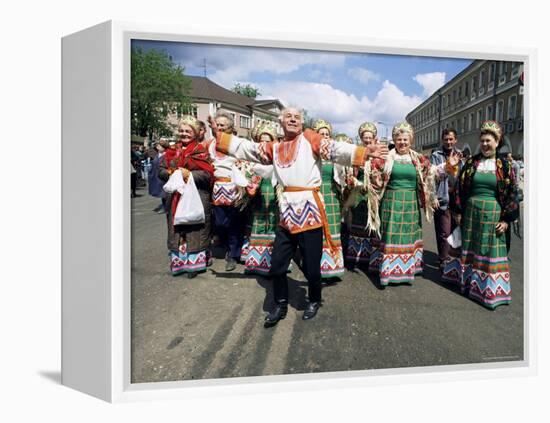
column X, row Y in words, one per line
column 486, row 202
column 398, row 188
column 265, row 211
column 188, row 244
column 332, row 260
column 362, row 241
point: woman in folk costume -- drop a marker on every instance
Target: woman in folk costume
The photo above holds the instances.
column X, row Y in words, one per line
column 188, row 244
column 332, row 261
column 362, row 242
column 486, row 202
column 397, row 188
column 265, row 211
column 252, row 190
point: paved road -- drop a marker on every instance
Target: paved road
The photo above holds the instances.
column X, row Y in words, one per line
column 212, row 326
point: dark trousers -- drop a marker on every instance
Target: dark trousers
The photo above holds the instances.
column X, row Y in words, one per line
column 229, row 226
column 133, row 183
column 443, row 228
column 311, row 247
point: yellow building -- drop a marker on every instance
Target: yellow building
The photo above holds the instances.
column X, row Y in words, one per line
column 208, row 97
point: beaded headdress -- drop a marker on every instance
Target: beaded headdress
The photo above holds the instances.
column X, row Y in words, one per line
column 367, row 127
column 405, row 127
column 254, row 131
column 492, row 127
column 343, row 138
column 321, row 123
column 267, row 128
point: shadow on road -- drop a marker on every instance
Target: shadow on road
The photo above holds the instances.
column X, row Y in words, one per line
column 296, row 293
column 431, row 272
column 372, row 277
column 236, row 274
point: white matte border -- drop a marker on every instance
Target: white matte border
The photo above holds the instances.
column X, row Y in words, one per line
column 122, row 390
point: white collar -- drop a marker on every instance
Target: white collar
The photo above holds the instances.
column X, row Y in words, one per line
column 487, row 165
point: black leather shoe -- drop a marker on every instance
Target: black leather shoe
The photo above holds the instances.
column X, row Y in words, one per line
column 192, row 275
column 278, row 313
column 311, row 311
column 230, row 265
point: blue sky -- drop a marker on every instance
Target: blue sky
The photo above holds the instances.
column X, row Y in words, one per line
column 345, row 89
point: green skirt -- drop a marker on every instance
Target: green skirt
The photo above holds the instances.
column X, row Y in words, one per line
column 482, row 271
column 332, row 264
column 399, row 256
column 265, row 218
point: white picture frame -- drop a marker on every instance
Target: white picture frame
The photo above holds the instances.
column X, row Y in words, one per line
column 96, row 303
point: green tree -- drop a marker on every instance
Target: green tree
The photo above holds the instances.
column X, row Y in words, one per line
column 307, row 120
column 247, row 90
column 158, row 87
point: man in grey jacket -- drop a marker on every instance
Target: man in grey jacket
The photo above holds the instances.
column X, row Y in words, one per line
column 443, row 220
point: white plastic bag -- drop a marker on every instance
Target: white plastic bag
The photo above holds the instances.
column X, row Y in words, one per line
column 175, row 183
column 238, row 178
column 189, row 210
column 455, row 239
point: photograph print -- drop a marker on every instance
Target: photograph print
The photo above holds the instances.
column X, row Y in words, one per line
column 300, row 211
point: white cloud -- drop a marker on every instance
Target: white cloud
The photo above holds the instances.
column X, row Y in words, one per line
column 228, row 65
column 363, row 75
column 345, row 111
column 430, row 82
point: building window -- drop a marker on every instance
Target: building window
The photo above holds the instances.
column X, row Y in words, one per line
column 471, row 122
column 512, row 102
column 482, row 82
column 492, row 71
column 489, row 112
column 502, row 69
column 515, row 69
column 479, row 118
column 460, row 92
column 244, row 122
column 467, row 89
column 463, row 124
column 500, row 111
column 192, row 110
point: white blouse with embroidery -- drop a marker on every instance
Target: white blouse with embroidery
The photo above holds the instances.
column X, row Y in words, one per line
column 295, row 165
column 487, row 166
column 223, row 193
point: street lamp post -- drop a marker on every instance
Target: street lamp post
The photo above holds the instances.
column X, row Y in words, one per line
column 386, row 128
